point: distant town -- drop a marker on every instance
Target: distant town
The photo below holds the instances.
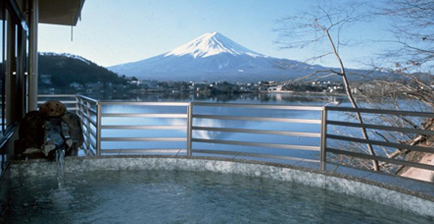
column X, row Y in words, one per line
column 136, row 86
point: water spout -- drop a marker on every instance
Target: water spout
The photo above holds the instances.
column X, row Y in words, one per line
column 60, row 160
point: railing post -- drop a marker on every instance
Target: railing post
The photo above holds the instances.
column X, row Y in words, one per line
column 81, row 111
column 189, row 128
column 98, row 129
column 81, row 114
column 76, row 106
column 88, row 124
column 323, row 153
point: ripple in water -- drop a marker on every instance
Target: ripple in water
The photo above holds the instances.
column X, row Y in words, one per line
column 186, row 197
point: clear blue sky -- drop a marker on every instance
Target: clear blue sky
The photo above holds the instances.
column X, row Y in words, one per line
column 113, row 32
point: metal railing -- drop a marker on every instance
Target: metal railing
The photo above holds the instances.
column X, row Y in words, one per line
column 136, row 123
column 402, row 145
column 96, row 122
column 87, row 109
column 285, row 118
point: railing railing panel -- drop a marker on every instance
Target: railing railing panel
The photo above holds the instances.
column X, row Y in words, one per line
column 87, row 114
column 382, row 141
column 258, row 140
column 125, row 126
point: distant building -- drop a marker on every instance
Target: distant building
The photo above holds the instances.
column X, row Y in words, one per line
column 45, row 79
column 76, row 86
column 275, row 88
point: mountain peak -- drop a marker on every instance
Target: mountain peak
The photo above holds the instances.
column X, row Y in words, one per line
column 210, row 44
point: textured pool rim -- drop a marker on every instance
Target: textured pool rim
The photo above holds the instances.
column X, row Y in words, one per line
column 394, row 196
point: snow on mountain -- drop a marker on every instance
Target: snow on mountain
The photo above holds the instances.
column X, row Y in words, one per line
column 73, row 56
column 210, row 44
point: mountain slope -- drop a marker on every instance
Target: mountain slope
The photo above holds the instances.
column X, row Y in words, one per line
column 65, row 69
column 214, row 57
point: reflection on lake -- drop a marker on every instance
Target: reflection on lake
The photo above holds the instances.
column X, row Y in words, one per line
column 266, row 97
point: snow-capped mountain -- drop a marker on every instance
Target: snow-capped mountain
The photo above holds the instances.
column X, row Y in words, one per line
column 214, row 57
column 210, row 44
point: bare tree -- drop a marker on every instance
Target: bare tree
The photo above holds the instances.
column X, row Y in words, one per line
column 412, row 25
column 322, row 26
column 410, row 57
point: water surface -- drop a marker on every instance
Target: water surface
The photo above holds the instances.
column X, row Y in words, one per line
column 186, row 197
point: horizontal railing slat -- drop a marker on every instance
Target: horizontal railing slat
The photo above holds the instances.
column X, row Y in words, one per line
column 143, row 103
column 57, row 95
column 388, row 144
column 258, row 144
column 144, row 115
column 142, row 139
column 119, row 151
column 287, row 120
column 247, row 154
column 258, row 106
column 381, row 127
column 253, row 131
column 143, row 127
column 379, row 158
column 378, row 111
column 62, row 101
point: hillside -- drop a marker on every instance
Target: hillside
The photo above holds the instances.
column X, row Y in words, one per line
column 65, row 69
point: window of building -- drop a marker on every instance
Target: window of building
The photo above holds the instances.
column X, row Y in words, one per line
column 13, row 66
column 3, row 45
